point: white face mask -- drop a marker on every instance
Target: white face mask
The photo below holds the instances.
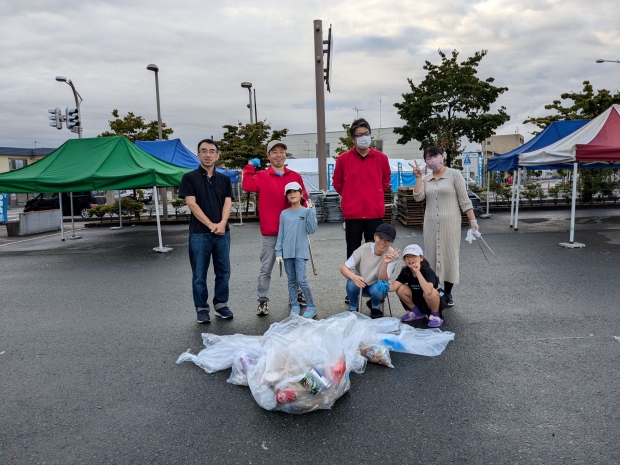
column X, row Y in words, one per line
column 363, row 142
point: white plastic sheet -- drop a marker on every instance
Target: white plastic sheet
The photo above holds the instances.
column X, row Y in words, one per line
column 301, row 365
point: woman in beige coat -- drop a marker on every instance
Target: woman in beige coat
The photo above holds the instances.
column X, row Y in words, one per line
column 446, row 196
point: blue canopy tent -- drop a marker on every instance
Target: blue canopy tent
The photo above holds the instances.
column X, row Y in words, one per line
column 510, row 161
column 552, row 133
column 173, row 151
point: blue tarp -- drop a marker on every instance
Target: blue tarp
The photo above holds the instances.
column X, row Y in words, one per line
column 173, row 151
column 408, row 180
column 552, row 133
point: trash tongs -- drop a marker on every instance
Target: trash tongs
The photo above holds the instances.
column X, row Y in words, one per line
column 472, row 236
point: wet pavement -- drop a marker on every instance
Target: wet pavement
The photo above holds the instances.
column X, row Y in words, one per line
column 91, row 329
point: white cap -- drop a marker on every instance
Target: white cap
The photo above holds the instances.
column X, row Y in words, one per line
column 413, row 249
column 292, row 186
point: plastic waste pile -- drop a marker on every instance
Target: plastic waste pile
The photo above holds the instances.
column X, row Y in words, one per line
column 300, row 365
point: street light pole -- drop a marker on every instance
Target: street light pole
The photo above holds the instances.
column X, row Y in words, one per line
column 600, row 60
column 79, row 131
column 248, row 86
column 164, row 198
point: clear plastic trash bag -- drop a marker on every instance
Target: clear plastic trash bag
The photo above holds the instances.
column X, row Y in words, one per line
column 301, row 365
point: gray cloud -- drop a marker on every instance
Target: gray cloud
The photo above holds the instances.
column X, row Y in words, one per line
column 539, row 49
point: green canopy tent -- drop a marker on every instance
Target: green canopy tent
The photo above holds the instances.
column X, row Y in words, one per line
column 102, row 163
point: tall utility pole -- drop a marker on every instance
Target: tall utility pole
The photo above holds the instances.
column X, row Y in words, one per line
column 163, row 191
column 321, row 75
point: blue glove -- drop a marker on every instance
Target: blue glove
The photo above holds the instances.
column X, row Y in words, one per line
column 255, row 162
column 383, row 286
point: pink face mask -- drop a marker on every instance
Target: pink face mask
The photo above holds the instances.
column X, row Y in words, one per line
column 435, row 163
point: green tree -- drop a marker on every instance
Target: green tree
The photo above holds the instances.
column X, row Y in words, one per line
column 451, row 103
column 586, row 105
column 243, row 142
column 135, row 128
column 346, row 143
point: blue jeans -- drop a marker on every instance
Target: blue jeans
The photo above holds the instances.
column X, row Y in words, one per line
column 376, row 296
column 201, row 248
column 296, row 274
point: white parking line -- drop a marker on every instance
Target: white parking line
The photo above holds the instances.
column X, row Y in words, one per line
column 35, row 238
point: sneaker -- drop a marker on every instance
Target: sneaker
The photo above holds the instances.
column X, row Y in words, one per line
column 369, row 304
column 410, row 316
column 352, row 309
column 301, row 298
column 224, row 313
column 309, row 313
column 434, row 321
column 449, row 301
column 346, row 299
column 203, row 316
column 375, row 313
column 263, row 308
column 295, row 309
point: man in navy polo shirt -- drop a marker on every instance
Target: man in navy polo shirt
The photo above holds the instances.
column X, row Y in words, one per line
column 208, row 194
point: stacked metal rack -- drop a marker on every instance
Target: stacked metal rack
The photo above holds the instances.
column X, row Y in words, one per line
column 332, row 208
column 318, row 199
column 389, row 206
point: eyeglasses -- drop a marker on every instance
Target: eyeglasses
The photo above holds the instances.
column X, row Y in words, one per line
column 361, row 135
column 210, row 151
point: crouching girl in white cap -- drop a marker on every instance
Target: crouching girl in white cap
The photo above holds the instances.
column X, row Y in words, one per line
column 292, row 247
column 417, row 287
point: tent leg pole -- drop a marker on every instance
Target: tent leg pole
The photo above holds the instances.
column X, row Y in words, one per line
column 512, row 198
column 62, row 224
column 161, row 247
column 486, row 213
column 572, row 244
column 517, row 197
column 239, row 197
column 120, row 217
column 73, row 236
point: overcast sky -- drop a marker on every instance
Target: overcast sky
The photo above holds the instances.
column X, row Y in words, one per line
column 205, row 49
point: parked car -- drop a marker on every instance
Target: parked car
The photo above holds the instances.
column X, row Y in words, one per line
column 475, row 201
column 82, row 201
column 469, row 181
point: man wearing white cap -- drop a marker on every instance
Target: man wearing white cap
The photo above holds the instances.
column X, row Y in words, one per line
column 269, row 185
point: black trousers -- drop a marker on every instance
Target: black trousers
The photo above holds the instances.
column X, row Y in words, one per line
column 356, row 229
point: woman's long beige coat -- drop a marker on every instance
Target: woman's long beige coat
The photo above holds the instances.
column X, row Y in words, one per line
column 442, row 221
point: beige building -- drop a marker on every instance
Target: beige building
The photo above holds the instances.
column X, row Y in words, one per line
column 12, row 158
column 498, row 145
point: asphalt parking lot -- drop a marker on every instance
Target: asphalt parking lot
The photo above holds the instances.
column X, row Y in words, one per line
column 91, row 329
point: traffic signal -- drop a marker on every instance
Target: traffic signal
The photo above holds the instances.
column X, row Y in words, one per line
column 73, row 119
column 56, row 118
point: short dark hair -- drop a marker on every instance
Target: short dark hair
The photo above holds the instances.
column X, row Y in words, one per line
column 432, row 151
column 359, row 123
column 208, row 141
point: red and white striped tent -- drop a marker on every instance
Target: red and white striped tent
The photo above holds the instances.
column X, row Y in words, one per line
column 596, row 142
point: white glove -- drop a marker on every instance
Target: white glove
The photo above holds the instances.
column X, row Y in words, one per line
column 474, row 225
column 280, row 260
column 471, row 235
column 309, row 204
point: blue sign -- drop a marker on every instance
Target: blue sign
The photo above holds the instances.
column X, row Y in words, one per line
column 400, row 174
column 330, row 175
column 467, row 161
column 480, row 169
column 4, row 208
